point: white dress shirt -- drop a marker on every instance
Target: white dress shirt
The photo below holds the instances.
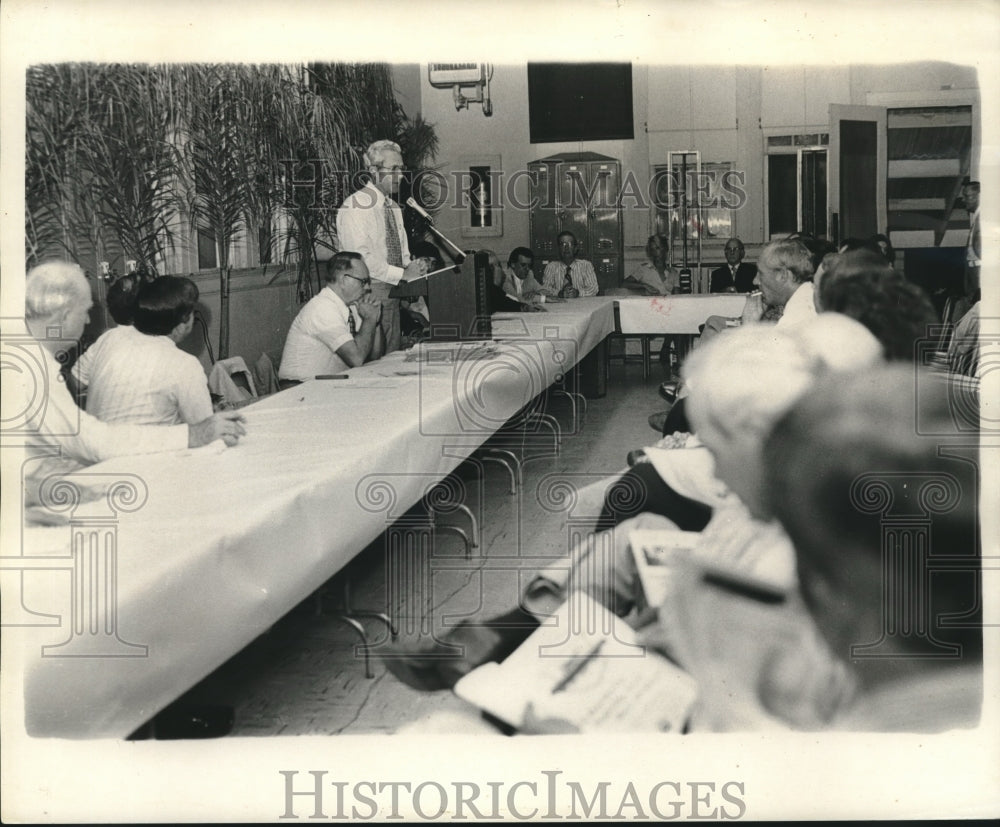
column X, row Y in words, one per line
column 145, row 380
column 318, row 331
column 519, row 288
column 64, row 438
column 361, row 229
column 582, row 276
column 800, row 307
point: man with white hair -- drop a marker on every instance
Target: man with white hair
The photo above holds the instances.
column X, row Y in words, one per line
column 63, row 437
column 371, row 223
column 784, row 275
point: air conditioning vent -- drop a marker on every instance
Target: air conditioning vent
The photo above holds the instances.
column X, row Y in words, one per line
column 448, row 74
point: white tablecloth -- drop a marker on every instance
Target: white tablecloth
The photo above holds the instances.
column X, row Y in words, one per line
column 221, row 543
column 680, row 313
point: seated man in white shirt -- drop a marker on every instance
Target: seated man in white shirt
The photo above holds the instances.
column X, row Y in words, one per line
column 570, row 277
column 524, row 284
column 325, row 337
column 62, row 437
column 141, row 376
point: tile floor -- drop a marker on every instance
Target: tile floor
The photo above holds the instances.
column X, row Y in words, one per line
column 305, row 677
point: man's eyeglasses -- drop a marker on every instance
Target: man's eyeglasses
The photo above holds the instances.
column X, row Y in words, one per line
column 366, row 282
column 391, row 169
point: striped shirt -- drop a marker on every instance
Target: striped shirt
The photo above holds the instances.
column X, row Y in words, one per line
column 581, row 273
column 145, row 380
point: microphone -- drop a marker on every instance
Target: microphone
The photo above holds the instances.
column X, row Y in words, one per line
column 421, row 211
column 411, row 203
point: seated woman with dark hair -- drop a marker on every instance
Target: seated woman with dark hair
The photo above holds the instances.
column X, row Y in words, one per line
column 144, row 378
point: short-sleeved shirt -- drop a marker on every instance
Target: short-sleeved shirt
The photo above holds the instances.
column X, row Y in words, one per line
column 318, row 331
column 146, row 380
column 647, row 274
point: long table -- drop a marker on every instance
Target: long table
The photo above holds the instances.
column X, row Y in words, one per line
column 676, row 314
column 190, row 557
column 680, row 315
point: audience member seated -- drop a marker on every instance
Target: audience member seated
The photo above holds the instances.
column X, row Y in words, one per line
column 850, row 454
column 142, row 377
column 740, row 385
column 325, row 337
column 570, row 277
column 784, row 281
column 523, row 282
column 656, row 278
column 862, row 284
column 64, row 438
column 120, row 302
column 784, row 278
column 735, row 276
column 884, row 246
column 655, row 275
column 963, row 349
column 498, row 297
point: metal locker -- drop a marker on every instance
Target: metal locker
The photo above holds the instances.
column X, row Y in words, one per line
column 578, row 192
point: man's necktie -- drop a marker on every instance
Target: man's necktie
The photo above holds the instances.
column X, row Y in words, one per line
column 352, row 325
column 568, row 278
column 394, row 252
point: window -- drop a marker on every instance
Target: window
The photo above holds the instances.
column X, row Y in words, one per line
column 796, row 184
column 264, row 242
column 208, row 257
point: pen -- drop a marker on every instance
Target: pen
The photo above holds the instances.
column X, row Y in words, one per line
column 577, row 668
column 332, row 376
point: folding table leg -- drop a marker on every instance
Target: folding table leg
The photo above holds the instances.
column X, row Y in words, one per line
column 365, row 646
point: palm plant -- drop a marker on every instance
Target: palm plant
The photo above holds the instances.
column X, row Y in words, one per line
column 116, row 154
column 52, row 117
column 130, row 159
column 217, row 130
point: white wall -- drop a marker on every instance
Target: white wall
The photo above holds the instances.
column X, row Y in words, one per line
column 724, row 112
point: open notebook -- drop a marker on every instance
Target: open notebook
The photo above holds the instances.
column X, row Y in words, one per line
column 586, row 668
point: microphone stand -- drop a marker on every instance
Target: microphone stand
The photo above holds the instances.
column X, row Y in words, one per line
column 413, row 205
column 460, row 254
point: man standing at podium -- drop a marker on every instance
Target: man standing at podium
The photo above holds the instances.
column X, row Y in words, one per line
column 570, row 277
column 371, row 223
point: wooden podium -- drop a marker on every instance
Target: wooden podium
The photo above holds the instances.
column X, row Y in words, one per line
column 458, row 301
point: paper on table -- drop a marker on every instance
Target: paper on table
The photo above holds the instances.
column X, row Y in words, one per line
column 432, row 273
column 600, row 680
